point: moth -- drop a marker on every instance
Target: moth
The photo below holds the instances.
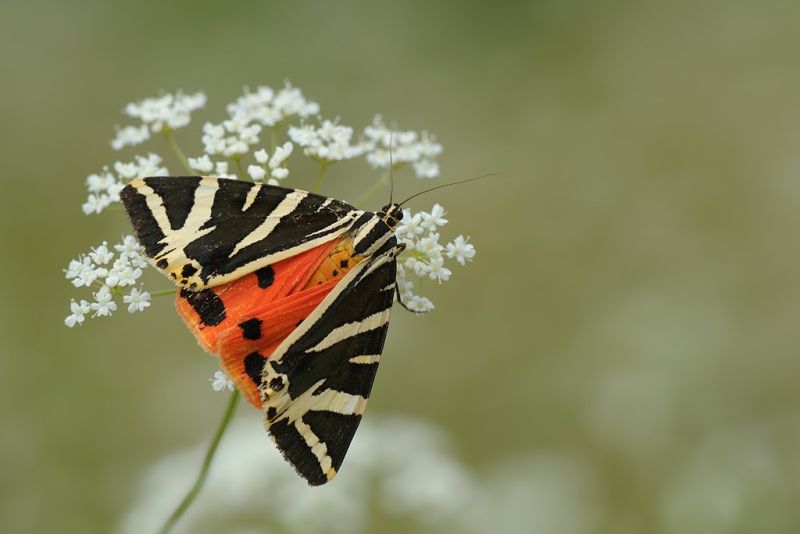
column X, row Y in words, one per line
column 292, row 290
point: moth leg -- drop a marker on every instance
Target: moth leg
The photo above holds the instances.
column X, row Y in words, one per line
column 403, row 304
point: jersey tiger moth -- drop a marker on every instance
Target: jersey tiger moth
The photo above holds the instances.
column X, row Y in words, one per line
column 292, row 290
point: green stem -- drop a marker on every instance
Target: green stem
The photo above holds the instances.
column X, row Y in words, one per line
column 201, row 477
column 323, row 170
column 163, row 292
column 178, row 152
column 240, row 167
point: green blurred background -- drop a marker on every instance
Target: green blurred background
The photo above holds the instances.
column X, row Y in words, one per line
column 634, row 301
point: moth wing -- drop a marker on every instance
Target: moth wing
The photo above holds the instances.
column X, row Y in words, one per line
column 206, row 231
column 316, row 384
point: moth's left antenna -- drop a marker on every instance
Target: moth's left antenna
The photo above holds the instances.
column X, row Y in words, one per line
column 391, row 167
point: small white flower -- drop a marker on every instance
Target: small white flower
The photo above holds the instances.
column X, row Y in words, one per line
column 256, row 172
column 438, row 271
column 407, row 147
column 136, row 300
column 201, row 164
column 430, row 221
column 79, row 311
column 97, row 183
column 418, row 304
column 280, row 155
column 461, row 250
column 261, row 156
column 95, row 203
column 329, row 142
column 221, row 382
column 130, row 136
column 280, row 174
column 267, row 107
column 101, row 255
column 231, row 139
column 169, row 110
column 129, row 247
column 83, row 272
column 104, row 304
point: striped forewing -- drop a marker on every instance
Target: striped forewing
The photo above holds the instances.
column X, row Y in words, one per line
column 205, row 231
column 316, row 384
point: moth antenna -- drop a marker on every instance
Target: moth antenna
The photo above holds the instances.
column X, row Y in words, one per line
column 391, row 167
column 448, row 185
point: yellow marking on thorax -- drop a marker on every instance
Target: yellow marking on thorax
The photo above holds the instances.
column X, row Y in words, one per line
column 339, row 260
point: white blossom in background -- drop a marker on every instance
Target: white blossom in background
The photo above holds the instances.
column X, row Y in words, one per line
column 110, row 275
column 407, row 147
column 269, row 108
column 399, row 467
column 105, row 186
column 328, row 142
column 168, row 111
column 424, row 256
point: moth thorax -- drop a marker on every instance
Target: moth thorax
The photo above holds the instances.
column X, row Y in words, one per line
column 391, row 214
column 340, row 259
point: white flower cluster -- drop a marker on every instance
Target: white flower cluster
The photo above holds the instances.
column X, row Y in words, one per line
column 327, row 143
column 276, row 164
column 104, row 187
column 287, row 115
column 110, row 273
column 407, row 147
column 231, row 139
column 168, row 111
column 424, row 256
column 269, row 108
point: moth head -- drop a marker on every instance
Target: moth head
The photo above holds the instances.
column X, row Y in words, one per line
column 391, row 214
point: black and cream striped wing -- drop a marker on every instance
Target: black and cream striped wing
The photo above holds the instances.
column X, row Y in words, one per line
column 205, row 231
column 316, row 384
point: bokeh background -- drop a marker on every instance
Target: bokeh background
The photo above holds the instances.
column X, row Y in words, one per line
column 621, row 357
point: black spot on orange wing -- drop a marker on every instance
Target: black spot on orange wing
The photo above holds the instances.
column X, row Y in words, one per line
column 344, row 263
column 253, row 365
column 266, row 276
column 208, row 306
column 335, row 272
column 251, row 329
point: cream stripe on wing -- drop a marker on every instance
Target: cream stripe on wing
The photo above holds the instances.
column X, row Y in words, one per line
column 286, row 206
column 318, row 447
column 251, row 196
column 366, row 359
column 345, row 331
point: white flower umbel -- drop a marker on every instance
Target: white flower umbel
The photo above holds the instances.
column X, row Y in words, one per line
column 107, row 273
column 276, row 165
column 163, row 113
column 105, row 186
column 328, row 142
column 269, row 108
column 424, row 256
column 407, row 148
column 231, row 139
